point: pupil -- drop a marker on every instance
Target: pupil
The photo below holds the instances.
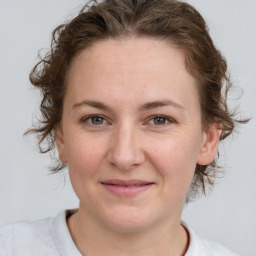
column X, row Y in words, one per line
column 97, row 120
column 159, row 120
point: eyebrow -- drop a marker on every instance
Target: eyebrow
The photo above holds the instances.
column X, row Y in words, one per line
column 156, row 104
column 145, row 106
column 94, row 104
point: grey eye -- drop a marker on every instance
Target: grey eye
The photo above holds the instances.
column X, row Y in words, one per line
column 96, row 120
column 160, row 120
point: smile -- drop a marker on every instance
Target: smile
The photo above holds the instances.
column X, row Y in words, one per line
column 128, row 188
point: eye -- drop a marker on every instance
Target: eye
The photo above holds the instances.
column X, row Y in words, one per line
column 94, row 120
column 160, row 120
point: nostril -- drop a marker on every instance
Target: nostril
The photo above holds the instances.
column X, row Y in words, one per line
column 125, row 151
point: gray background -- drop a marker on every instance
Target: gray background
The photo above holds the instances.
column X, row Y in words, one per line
column 27, row 192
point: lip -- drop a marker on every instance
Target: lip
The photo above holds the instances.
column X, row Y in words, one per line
column 126, row 188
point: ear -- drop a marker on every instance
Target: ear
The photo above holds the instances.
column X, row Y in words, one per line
column 60, row 143
column 210, row 142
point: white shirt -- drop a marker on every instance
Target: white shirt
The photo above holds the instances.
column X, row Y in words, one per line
column 51, row 237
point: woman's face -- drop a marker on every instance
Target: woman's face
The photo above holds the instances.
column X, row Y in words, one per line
column 131, row 132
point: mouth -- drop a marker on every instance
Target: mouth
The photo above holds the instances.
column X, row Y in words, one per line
column 128, row 188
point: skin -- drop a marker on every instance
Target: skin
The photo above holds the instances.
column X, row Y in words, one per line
column 129, row 142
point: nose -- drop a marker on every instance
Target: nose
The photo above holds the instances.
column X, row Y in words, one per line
column 125, row 151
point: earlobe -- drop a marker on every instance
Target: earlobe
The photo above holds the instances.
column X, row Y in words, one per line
column 210, row 144
column 60, row 144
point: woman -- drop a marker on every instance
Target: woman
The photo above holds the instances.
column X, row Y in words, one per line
column 132, row 100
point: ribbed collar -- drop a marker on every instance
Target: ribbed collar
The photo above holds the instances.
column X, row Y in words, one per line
column 61, row 236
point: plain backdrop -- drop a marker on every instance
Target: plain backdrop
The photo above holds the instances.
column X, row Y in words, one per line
column 28, row 192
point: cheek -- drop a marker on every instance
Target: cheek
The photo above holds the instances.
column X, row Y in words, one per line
column 85, row 165
column 85, row 155
column 175, row 159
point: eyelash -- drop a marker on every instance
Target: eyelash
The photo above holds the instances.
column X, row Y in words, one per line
column 166, row 119
column 85, row 119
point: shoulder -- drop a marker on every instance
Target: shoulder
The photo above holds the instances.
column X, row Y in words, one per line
column 216, row 249
column 48, row 236
column 204, row 247
column 30, row 237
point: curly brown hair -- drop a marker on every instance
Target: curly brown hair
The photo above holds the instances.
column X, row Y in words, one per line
column 173, row 21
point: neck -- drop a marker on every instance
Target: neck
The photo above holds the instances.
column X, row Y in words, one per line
column 165, row 238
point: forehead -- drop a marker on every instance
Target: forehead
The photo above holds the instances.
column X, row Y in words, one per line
column 130, row 68
column 134, row 54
